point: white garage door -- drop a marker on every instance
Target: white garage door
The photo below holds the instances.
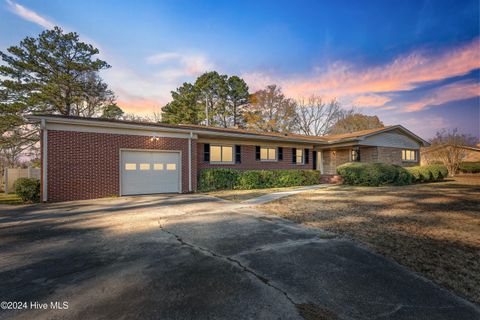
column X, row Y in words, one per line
column 146, row 172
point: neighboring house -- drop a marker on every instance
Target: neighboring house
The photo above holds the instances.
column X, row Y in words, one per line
column 85, row 158
column 468, row 154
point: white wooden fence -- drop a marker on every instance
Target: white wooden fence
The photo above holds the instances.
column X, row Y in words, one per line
column 12, row 174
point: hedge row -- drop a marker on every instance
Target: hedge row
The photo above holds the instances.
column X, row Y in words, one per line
column 373, row 174
column 379, row 174
column 433, row 172
column 469, row 167
column 224, row 179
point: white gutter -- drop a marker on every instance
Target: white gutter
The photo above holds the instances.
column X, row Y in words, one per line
column 44, row 160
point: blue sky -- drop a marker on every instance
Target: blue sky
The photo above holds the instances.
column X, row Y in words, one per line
column 414, row 63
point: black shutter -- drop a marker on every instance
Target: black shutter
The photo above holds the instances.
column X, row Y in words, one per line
column 257, row 153
column 314, row 159
column 294, row 155
column 358, row 154
column 280, row 153
column 238, row 154
column 306, row 155
column 206, row 152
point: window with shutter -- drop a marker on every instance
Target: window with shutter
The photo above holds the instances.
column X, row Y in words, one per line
column 221, row 154
column 268, row 154
column 299, row 156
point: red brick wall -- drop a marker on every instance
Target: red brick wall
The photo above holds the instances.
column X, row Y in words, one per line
column 249, row 163
column 84, row 165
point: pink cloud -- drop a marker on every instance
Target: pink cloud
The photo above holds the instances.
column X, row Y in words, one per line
column 370, row 100
column 364, row 86
column 452, row 92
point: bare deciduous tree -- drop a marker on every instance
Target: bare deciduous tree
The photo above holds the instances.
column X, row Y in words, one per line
column 315, row 117
column 446, row 147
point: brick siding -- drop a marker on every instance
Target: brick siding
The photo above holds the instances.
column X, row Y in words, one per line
column 84, row 165
column 394, row 156
column 336, row 157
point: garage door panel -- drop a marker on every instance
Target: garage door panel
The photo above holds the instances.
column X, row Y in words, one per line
column 145, row 172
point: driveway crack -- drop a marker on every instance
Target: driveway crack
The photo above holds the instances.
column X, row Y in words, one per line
column 231, row 261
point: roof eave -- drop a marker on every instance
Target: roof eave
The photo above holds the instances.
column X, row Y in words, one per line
column 154, row 127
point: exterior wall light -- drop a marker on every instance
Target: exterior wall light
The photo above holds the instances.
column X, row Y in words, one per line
column 154, row 138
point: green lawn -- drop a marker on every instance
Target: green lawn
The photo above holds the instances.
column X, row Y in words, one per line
column 10, row 198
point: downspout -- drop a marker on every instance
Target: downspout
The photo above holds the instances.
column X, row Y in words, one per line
column 44, row 160
column 190, row 161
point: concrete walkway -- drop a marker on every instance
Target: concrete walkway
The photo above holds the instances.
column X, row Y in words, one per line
column 281, row 194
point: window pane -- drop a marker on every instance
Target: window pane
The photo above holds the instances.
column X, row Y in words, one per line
column 158, row 166
column 299, row 155
column 227, row 154
column 409, row 155
column 130, row 166
column 215, row 153
column 171, row 166
column 144, row 166
column 263, row 153
column 272, row 154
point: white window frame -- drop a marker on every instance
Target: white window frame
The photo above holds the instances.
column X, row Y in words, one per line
column 404, row 155
column 268, row 153
column 221, row 153
column 302, row 156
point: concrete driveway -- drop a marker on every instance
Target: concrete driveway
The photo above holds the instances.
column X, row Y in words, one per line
column 197, row 257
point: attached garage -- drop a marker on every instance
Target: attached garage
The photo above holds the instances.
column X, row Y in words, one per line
column 149, row 172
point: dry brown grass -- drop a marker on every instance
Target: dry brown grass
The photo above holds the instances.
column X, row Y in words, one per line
column 10, row 198
column 433, row 229
column 242, row 195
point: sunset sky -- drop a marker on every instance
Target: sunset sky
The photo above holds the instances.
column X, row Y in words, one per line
column 415, row 63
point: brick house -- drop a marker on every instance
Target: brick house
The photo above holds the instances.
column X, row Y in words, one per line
column 86, row 158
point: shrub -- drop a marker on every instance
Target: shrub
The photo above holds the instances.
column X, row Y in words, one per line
column 433, row 172
column 439, row 171
column 28, row 189
column 217, row 179
column 285, row 178
column 255, row 179
column 373, row 174
column 222, row 179
column 469, row 167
